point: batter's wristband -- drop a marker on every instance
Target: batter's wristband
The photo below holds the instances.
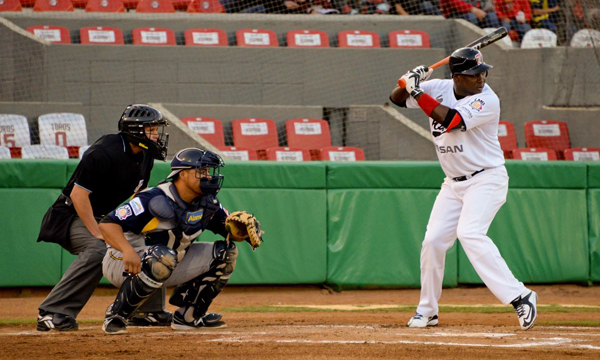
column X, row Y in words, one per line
column 427, row 103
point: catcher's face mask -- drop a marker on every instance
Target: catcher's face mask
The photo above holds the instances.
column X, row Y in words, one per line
column 210, row 180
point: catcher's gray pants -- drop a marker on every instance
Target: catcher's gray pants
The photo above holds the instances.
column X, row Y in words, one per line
column 80, row 280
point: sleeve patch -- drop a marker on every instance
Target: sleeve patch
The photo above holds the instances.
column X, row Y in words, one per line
column 136, row 205
column 477, row 104
column 123, row 212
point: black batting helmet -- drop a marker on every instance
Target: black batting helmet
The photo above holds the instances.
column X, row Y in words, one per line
column 132, row 125
column 467, row 61
column 194, row 158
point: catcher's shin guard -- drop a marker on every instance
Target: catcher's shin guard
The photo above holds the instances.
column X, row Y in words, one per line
column 200, row 291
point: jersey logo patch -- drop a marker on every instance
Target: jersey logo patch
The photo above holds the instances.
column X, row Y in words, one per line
column 123, row 212
column 194, row 217
column 477, row 104
column 136, row 205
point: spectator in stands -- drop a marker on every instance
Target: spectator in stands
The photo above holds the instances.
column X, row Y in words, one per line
column 377, row 7
column 414, row 7
column 545, row 14
column 478, row 12
column 252, row 6
column 514, row 14
column 312, row 7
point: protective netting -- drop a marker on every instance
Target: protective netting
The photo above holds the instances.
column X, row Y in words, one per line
column 259, row 79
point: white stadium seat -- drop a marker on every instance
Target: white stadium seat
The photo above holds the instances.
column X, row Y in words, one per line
column 82, row 150
column 63, row 129
column 44, row 152
column 586, row 38
column 537, row 38
column 4, row 152
column 14, row 133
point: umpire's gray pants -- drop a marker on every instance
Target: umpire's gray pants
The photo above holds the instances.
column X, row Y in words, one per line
column 80, row 280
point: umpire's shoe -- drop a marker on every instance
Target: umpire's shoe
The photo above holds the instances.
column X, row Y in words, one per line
column 208, row 321
column 155, row 318
column 114, row 325
column 48, row 321
column 526, row 308
column 420, row 321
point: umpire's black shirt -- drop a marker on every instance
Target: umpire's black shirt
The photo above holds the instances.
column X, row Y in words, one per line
column 111, row 173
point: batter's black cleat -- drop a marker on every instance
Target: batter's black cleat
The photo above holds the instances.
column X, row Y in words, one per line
column 155, row 318
column 115, row 325
column 526, row 308
column 48, row 321
column 208, row 321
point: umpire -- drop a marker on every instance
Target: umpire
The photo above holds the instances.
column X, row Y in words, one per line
column 114, row 168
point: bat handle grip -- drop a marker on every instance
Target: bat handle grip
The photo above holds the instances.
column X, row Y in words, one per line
column 444, row 61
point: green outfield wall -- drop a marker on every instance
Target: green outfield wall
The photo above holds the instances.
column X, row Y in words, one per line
column 349, row 224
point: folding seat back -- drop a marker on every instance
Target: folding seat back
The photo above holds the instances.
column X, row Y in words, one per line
column 507, row 137
column 287, row 154
column 307, row 38
column 548, row 134
column 255, row 133
column 256, row 38
column 205, row 37
column 153, row 36
column 409, row 39
column 238, row 153
column 110, row 6
column 53, row 5
column 583, row 154
column 51, row 33
column 63, row 129
column 342, row 153
column 209, row 129
column 44, row 152
column 14, row 133
column 82, row 150
column 4, row 152
column 309, row 134
column 534, row 154
column 537, row 38
column 101, row 35
column 155, row 6
column 10, row 5
column 205, row 6
column 358, row 39
column 586, row 38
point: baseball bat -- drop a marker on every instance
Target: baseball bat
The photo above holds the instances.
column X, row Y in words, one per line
column 477, row 44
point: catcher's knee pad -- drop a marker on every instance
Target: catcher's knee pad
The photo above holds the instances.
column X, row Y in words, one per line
column 158, row 263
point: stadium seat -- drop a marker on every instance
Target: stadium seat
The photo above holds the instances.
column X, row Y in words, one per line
column 206, row 37
column 63, row 129
column 153, row 36
column 287, row 154
column 82, row 150
column 53, row 5
column 308, row 134
column 256, row 38
column 51, row 33
column 534, row 154
column 79, row 4
column 409, row 39
column 255, row 133
column 131, row 4
column 155, row 6
column 209, row 129
column 507, row 39
column 238, row 153
column 205, row 6
column 307, row 38
column 4, row 152
column 14, row 133
column 537, row 38
column 586, row 38
column 582, row 154
column 548, row 134
column 507, row 137
column 342, row 153
column 358, row 39
column 98, row 35
column 10, row 5
column 111, row 6
column 27, row 3
column 181, row 4
column 45, row 152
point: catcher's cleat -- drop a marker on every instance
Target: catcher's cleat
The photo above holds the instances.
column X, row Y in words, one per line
column 156, row 318
column 419, row 321
column 48, row 321
column 208, row 321
column 526, row 308
column 114, row 325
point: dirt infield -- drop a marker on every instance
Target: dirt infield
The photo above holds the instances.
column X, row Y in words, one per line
column 257, row 330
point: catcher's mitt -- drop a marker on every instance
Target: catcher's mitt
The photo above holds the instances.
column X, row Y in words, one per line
column 243, row 226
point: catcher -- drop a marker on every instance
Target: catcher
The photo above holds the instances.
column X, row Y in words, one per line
column 150, row 244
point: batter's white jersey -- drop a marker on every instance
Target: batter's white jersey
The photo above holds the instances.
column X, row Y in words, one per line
column 465, row 152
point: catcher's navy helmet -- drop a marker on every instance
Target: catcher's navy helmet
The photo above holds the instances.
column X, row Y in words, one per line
column 194, row 158
column 132, row 125
column 467, row 61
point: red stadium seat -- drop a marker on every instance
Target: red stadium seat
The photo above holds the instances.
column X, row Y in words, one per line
column 99, row 35
column 358, row 39
column 287, row 154
column 256, row 38
column 205, row 37
column 155, row 6
column 14, row 133
column 205, row 6
column 409, row 39
column 153, row 36
column 309, row 134
column 507, row 137
column 53, row 5
column 307, row 38
column 238, row 153
column 10, row 5
column 27, row 3
column 79, row 4
column 181, row 4
column 51, row 33
column 255, row 133
column 111, row 6
column 548, row 134
column 582, row 154
column 342, row 153
column 131, row 4
column 534, row 154
column 209, row 129
column 63, row 129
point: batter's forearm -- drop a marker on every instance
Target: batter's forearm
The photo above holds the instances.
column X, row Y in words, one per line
column 439, row 112
column 399, row 95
